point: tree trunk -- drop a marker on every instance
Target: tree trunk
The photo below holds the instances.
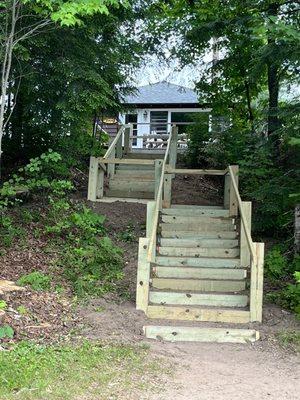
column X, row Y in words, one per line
column 297, row 229
column 273, row 86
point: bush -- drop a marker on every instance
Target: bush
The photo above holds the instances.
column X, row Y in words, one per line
column 275, row 264
column 36, row 280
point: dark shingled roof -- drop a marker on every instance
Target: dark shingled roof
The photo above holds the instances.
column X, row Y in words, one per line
column 162, row 93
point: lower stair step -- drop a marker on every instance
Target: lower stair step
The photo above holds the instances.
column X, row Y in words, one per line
column 129, row 194
column 200, row 235
column 197, row 334
column 196, row 243
column 198, row 299
column 139, row 186
column 200, row 273
column 198, row 252
column 206, row 262
column 198, row 314
column 199, row 285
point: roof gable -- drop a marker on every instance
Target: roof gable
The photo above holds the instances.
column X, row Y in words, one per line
column 162, row 93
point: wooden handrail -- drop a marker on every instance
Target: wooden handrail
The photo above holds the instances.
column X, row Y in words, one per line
column 243, row 218
column 114, row 142
column 152, row 241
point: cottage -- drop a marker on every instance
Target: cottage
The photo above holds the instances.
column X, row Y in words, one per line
column 155, row 107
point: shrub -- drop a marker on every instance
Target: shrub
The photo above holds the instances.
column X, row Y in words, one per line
column 36, row 280
column 275, row 264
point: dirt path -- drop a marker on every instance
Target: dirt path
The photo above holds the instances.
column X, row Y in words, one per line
column 229, row 372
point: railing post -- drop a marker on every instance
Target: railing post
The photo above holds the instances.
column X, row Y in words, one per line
column 127, row 139
column 96, row 180
column 244, row 248
column 157, row 175
column 111, row 167
column 149, row 218
column 232, row 203
column 143, row 276
column 167, row 197
column 256, row 283
column 173, row 147
column 119, row 150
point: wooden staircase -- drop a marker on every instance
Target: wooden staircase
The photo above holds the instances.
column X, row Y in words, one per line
column 200, row 275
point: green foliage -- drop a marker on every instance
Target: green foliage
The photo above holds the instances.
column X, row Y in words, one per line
column 290, row 338
column 94, row 268
column 128, row 234
column 22, row 310
column 36, row 280
column 3, row 305
column 275, row 264
column 9, row 230
column 6, row 332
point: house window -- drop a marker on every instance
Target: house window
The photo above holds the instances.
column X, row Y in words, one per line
column 132, row 119
column 158, row 122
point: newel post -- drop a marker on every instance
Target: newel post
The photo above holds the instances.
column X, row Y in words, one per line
column 96, row 180
column 127, row 134
column 173, row 147
column 143, row 275
column 256, row 283
column 230, row 198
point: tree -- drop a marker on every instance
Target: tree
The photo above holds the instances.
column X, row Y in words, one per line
column 23, row 19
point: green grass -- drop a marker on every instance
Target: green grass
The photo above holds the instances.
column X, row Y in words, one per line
column 290, row 339
column 88, row 371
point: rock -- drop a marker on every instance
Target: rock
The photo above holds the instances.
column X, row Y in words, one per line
column 2, row 313
column 9, row 286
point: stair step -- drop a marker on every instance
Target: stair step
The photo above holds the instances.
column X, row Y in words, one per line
column 198, row 252
column 155, row 155
column 199, row 314
column 199, row 299
column 197, row 334
column 196, row 219
column 198, row 262
column 199, row 236
column 134, row 167
column 189, row 212
column 129, row 193
column 134, row 174
column 200, row 273
column 213, row 243
column 196, row 207
column 199, row 285
column 198, row 227
column 137, row 186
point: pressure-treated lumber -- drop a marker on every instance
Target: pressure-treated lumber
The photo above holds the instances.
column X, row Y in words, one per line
column 157, row 174
column 138, row 186
column 256, row 283
column 195, row 334
column 198, row 285
column 189, row 212
column 93, row 178
column 194, row 207
column 198, row 314
column 244, row 248
column 198, row 262
column 233, row 201
column 198, row 252
column 196, row 219
column 198, row 299
column 199, row 273
column 129, row 193
column 186, row 171
column 125, row 161
column 149, row 219
column 196, row 227
column 199, row 235
column 190, row 242
column 167, row 195
column 143, row 276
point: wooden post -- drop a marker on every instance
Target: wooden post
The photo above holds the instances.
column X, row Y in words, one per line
column 244, row 248
column 226, row 191
column 150, row 216
column 119, row 147
column 143, row 276
column 233, row 203
column 173, row 147
column 167, row 198
column 157, row 174
column 256, row 283
column 93, row 175
column 127, row 140
column 111, row 167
